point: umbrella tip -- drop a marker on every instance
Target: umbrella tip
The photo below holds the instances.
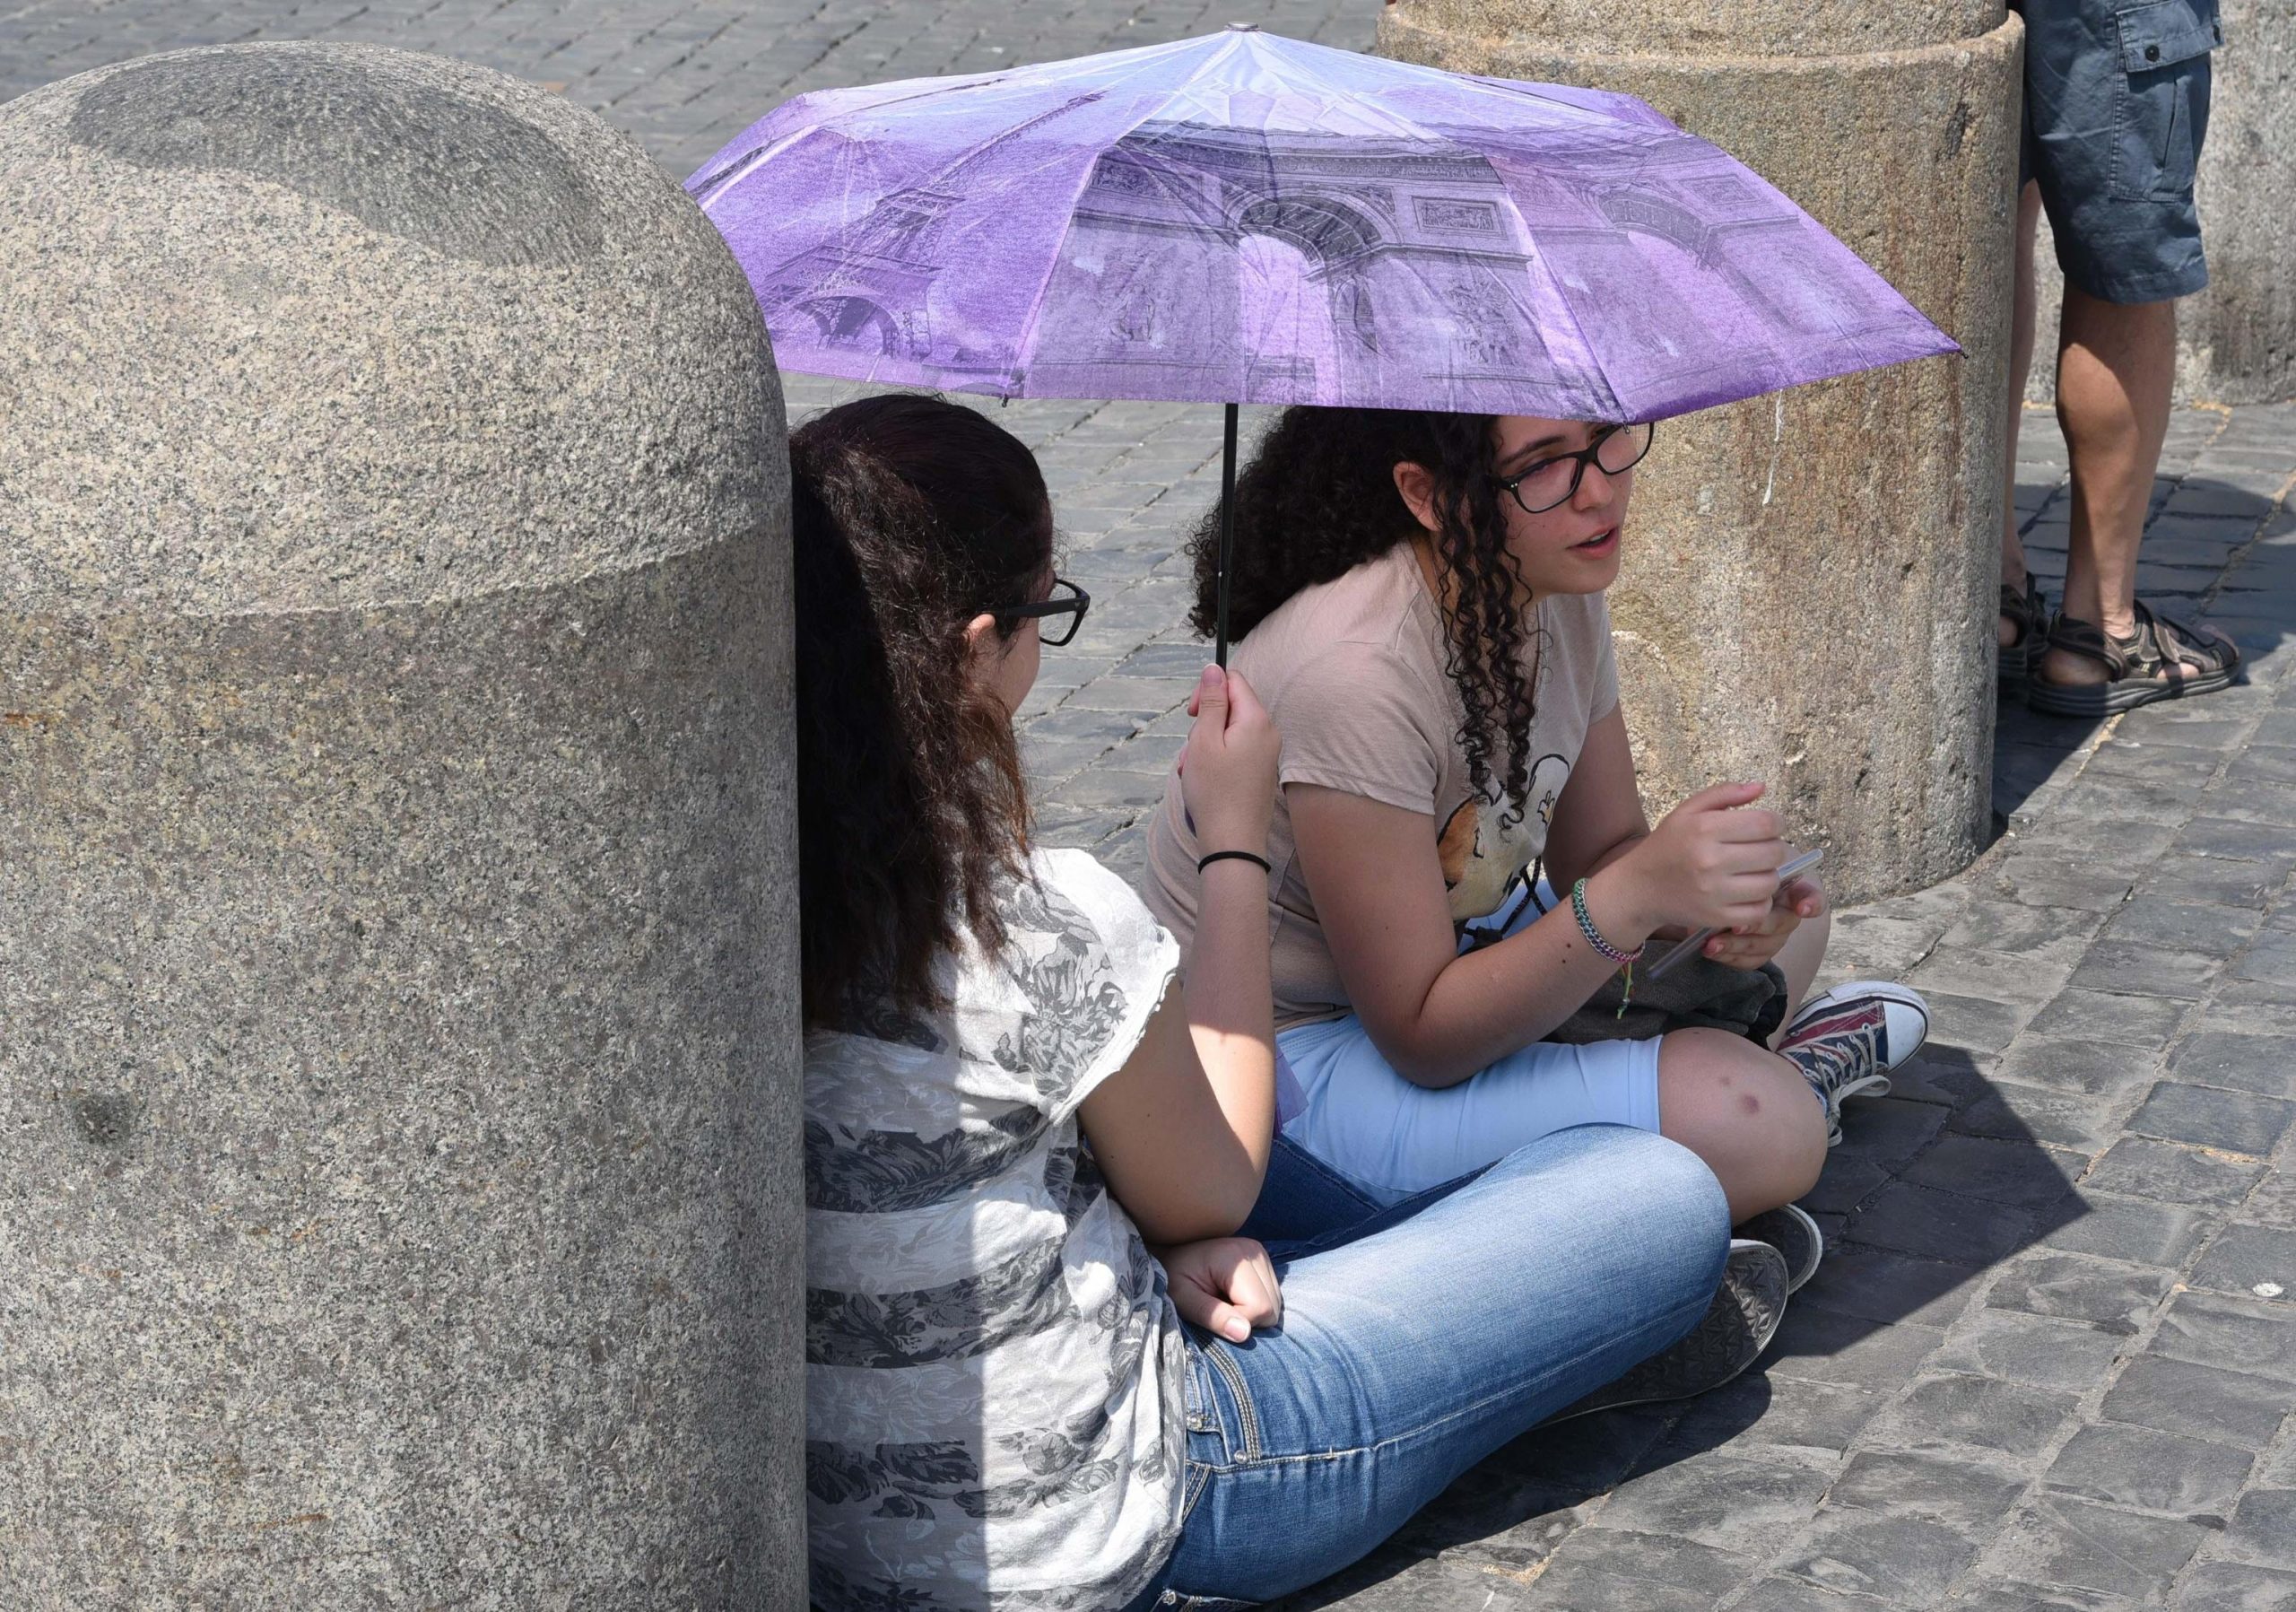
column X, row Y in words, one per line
column 1243, row 28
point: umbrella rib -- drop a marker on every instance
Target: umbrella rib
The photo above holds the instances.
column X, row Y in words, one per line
column 1055, row 256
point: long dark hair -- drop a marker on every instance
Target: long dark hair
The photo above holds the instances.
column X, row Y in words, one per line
column 910, row 516
column 1319, row 498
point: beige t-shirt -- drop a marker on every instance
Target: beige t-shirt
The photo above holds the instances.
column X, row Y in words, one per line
column 1352, row 672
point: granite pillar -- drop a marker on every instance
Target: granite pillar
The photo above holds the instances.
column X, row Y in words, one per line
column 399, row 1183
column 1809, row 579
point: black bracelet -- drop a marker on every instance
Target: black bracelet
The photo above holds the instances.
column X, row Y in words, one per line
column 1239, row 856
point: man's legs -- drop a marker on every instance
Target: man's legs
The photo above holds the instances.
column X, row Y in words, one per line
column 2115, row 367
column 2021, row 365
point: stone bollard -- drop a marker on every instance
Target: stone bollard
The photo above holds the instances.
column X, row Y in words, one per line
column 2236, row 341
column 399, row 1173
column 1809, row 593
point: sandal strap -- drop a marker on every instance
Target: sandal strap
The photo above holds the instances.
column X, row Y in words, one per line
column 2166, row 642
column 2026, row 608
column 2089, row 641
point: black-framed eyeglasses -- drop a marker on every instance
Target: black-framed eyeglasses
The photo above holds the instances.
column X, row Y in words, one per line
column 1066, row 599
column 1551, row 483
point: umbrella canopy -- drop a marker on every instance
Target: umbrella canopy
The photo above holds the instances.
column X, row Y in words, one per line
column 1244, row 218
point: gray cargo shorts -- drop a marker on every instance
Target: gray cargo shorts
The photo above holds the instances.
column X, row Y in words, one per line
column 2116, row 109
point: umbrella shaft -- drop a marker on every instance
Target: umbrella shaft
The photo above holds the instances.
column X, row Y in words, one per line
column 1227, row 536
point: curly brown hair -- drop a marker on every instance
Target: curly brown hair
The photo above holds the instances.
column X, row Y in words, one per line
column 1319, row 498
column 910, row 517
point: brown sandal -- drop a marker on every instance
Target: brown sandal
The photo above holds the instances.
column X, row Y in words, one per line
column 2029, row 612
column 2165, row 659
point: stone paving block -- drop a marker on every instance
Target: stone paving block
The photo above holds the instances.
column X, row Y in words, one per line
column 1801, row 1595
column 2252, row 1259
column 2093, row 799
column 2176, row 1396
column 1495, row 1513
column 1844, row 1184
column 2271, row 956
column 2208, row 1117
column 2039, row 878
column 1395, row 1582
column 2092, row 1069
column 1679, row 1565
column 2232, row 1334
column 1730, row 1501
column 2185, row 877
column 1123, row 794
column 2117, row 1298
column 1791, row 1416
column 2173, row 1174
column 2018, row 1112
column 1998, row 1172
column 2027, row 979
column 1972, row 1023
column 2072, row 1355
column 1824, row 1345
column 2154, row 761
column 1143, row 696
column 2146, row 970
column 1574, row 1586
column 2263, row 764
column 2061, row 1542
column 2131, row 1229
column 1912, row 1559
column 2263, row 1531
column 2185, row 926
column 1960, row 1488
column 2273, row 1200
column 1576, row 1460
column 2233, row 840
column 2233, row 1587
column 1887, row 1130
column 1949, row 1076
column 1877, row 1285
column 2205, row 725
column 2030, row 1598
column 2262, row 1064
column 1940, row 1225
column 2146, row 1467
column 1983, row 1413
column 1987, row 926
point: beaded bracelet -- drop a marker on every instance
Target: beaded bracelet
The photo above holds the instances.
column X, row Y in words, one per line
column 1594, row 936
column 1625, row 959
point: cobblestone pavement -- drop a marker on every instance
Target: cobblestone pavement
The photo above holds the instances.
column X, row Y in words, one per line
column 2049, row 1362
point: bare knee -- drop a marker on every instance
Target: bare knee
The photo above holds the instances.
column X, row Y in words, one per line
column 1746, row 1112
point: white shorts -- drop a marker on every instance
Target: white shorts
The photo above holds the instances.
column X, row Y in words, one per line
column 1394, row 1138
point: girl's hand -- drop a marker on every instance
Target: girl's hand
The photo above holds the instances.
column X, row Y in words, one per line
column 1226, row 1285
column 1712, row 862
column 1228, row 771
column 1750, row 948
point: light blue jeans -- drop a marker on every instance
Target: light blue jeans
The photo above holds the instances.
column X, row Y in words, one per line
column 1418, row 1338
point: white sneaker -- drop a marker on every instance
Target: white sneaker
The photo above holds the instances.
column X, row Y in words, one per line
column 1846, row 1040
column 1789, row 1230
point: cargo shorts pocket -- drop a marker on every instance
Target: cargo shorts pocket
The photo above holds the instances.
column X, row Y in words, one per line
column 2160, row 97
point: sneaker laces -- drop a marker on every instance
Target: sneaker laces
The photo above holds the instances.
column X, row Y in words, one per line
column 1840, row 1049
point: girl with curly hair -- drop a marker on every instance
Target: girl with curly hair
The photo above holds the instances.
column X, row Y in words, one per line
column 1041, row 1370
column 1419, row 596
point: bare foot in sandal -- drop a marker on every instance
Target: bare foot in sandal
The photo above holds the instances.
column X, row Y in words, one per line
column 2090, row 673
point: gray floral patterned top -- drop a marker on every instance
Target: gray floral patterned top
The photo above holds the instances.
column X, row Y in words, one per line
column 994, row 1389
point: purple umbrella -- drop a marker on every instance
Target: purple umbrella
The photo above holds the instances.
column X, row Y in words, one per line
column 1244, row 218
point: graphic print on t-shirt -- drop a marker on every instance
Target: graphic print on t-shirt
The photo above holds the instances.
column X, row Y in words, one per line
column 1484, row 855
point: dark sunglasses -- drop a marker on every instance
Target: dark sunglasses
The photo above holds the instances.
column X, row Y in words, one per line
column 1066, row 599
